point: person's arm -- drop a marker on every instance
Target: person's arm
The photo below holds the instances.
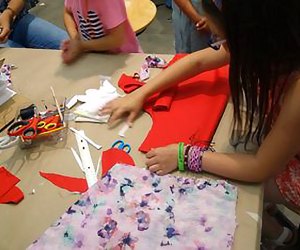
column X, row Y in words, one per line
column 189, row 10
column 185, row 68
column 70, row 24
column 281, row 144
column 113, row 40
column 7, row 17
column 187, row 7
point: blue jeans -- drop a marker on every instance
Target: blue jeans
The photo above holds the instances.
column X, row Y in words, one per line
column 33, row 32
column 187, row 38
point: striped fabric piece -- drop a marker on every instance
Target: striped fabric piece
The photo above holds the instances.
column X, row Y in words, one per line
column 91, row 27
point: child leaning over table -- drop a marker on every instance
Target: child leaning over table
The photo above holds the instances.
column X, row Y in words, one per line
column 98, row 26
column 264, row 77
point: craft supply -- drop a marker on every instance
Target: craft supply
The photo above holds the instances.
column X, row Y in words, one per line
column 94, row 100
column 99, row 167
column 8, row 141
column 120, row 144
column 72, row 102
column 86, row 159
column 124, row 129
column 180, row 160
column 199, row 102
column 131, row 208
column 77, row 158
column 154, row 61
column 57, row 106
column 9, row 192
column 71, row 184
column 28, row 112
column 86, row 138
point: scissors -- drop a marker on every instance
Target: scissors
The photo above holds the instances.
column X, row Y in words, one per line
column 120, row 144
column 29, row 129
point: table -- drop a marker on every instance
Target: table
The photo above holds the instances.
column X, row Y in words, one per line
column 37, row 70
column 140, row 13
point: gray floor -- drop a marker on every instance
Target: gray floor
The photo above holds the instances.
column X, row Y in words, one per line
column 157, row 38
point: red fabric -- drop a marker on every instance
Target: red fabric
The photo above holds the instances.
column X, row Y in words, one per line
column 9, row 193
column 162, row 101
column 197, row 107
column 71, row 184
column 113, row 156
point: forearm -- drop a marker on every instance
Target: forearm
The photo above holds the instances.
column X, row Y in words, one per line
column 113, row 40
column 242, row 167
column 70, row 25
column 185, row 68
column 14, row 8
column 189, row 10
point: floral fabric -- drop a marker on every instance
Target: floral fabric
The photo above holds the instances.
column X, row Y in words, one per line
column 130, row 208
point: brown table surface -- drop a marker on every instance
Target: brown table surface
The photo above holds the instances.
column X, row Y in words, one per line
column 140, row 13
column 37, row 70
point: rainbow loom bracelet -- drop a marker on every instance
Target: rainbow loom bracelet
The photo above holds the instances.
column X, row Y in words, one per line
column 180, row 156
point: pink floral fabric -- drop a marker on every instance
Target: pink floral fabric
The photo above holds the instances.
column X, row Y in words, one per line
column 131, row 208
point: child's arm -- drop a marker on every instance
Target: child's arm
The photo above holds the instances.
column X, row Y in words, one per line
column 281, row 144
column 113, row 40
column 7, row 16
column 187, row 7
column 185, row 68
column 70, row 24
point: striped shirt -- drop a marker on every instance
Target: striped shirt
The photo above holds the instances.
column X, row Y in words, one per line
column 96, row 18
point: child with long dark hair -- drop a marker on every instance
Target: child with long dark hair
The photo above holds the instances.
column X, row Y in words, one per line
column 261, row 43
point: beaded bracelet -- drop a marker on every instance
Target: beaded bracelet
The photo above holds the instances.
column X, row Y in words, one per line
column 195, row 158
column 180, row 156
column 186, row 155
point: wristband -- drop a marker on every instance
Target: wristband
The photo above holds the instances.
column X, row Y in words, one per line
column 181, row 156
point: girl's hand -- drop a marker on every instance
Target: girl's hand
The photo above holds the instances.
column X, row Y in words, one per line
column 202, row 25
column 71, row 50
column 5, row 20
column 162, row 160
column 129, row 106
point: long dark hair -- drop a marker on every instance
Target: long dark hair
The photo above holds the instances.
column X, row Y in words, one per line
column 263, row 37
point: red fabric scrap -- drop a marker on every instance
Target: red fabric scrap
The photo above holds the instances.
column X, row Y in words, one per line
column 9, row 193
column 71, row 184
column 113, row 156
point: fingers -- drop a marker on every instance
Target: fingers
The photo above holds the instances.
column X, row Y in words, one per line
column 151, row 162
column 155, row 168
column 116, row 115
column 150, row 154
column 4, row 34
column 131, row 117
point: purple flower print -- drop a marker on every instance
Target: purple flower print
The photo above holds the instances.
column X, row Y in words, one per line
column 108, row 228
column 107, row 184
column 143, row 220
column 124, row 186
column 171, row 232
column 203, row 220
column 127, row 240
column 71, row 211
column 208, row 229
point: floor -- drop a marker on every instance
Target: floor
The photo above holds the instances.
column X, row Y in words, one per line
column 157, row 38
